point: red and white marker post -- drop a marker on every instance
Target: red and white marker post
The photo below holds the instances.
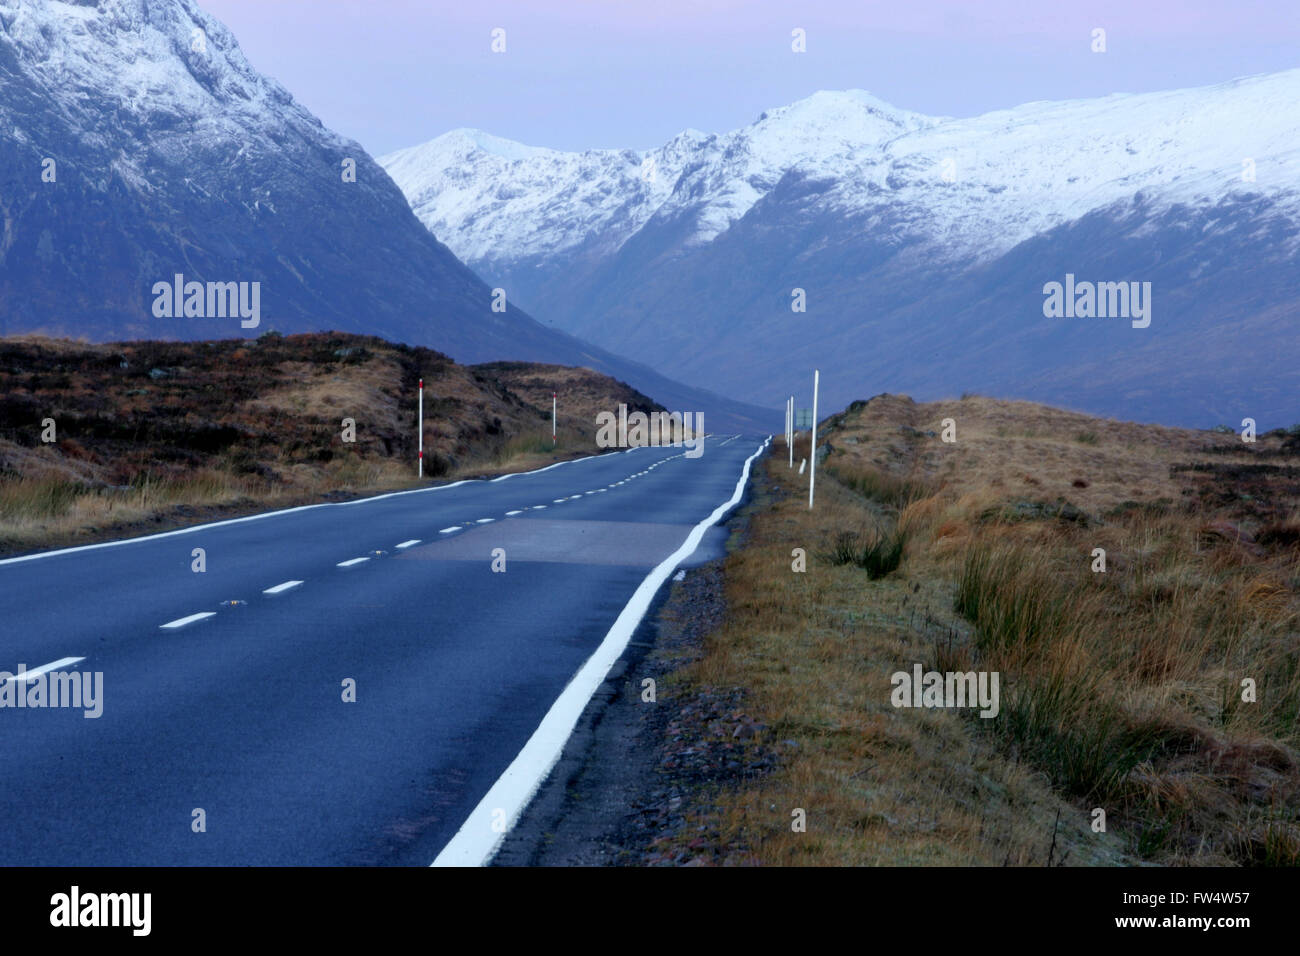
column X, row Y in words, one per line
column 552, row 419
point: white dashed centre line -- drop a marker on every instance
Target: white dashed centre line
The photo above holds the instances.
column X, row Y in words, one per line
column 511, row 514
column 182, row 621
column 26, row 676
column 348, row 564
column 281, row 588
column 450, row 530
column 408, row 544
column 485, row 520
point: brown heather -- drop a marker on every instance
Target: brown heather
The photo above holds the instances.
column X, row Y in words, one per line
column 163, row 434
column 1119, row 690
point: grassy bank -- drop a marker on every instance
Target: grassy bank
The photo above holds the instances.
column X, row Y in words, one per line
column 151, row 435
column 1121, row 690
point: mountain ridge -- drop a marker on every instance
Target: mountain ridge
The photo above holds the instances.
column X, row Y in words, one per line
column 890, row 221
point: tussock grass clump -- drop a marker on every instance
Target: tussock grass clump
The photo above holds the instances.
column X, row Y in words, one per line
column 1126, row 688
column 1012, row 601
column 526, row 444
column 876, row 553
column 38, row 498
column 882, row 487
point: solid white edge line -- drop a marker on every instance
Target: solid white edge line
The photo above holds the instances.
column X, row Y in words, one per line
column 408, row 544
column 349, row 563
column 190, row 619
column 31, row 675
column 285, row 511
column 281, row 588
column 475, row 843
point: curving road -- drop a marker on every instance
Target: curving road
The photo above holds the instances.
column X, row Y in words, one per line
column 223, row 690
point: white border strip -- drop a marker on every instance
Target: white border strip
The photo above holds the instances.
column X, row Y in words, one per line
column 475, row 842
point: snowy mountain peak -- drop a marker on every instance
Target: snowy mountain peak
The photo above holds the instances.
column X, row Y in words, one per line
column 466, row 139
column 851, row 115
column 974, row 186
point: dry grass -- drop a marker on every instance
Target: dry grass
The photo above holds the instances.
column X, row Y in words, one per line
column 161, row 434
column 1120, row 690
column 814, row 652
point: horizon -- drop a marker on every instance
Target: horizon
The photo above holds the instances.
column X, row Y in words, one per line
column 403, row 56
column 942, row 117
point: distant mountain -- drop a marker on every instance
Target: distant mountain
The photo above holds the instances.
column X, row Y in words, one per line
column 923, row 245
column 137, row 143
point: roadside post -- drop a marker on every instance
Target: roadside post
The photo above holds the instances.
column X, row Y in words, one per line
column 812, row 448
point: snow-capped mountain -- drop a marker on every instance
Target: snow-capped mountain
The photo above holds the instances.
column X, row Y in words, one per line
column 922, row 245
column 137, row 143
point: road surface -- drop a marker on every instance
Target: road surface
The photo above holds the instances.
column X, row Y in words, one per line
column 223, row 691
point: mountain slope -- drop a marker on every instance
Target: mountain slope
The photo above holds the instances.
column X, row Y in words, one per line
column 172, row 155
column 922, row 244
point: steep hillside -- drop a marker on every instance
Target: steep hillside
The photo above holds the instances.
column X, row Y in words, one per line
column 137, row 144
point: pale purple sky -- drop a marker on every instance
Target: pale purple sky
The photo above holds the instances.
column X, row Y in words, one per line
column 579, row 74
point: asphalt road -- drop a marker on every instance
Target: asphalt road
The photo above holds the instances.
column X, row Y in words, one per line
column 241, row 714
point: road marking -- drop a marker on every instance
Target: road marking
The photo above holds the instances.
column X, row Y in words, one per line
column 454, row 527
column 281, row 588
column 511, row 514
column 539, row 507
column 559, row 501
column 284, row 511
column 485, row 520
column 408, row 544
column 476, row 841
column 182, row 621
column 348, row 564
column 26, row 676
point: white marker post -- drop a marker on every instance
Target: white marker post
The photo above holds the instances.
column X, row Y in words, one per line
column 812, row 448
column 421, row 428
column 789, row 432
column 552, row 418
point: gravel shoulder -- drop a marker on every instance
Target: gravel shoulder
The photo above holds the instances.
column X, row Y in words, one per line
column 636, row 773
